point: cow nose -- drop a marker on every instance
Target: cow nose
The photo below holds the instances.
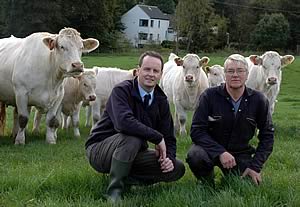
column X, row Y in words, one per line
column 189, row 78
column 92, row 98
column 77, row 66
column 272, row 80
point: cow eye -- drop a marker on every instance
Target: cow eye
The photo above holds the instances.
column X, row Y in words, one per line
column 197, row 66
column 183, row 67
column 62, row 47
column 215, row 74
column 85, row 85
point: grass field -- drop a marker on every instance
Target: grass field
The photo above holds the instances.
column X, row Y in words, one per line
column 39, row 174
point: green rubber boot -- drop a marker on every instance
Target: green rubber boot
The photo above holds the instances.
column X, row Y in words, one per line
column 118, row 172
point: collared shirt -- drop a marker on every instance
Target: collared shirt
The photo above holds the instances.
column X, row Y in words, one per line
column 236, row 104
column 143, row 93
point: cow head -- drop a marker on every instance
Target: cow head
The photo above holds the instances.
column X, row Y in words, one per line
column 67, row 48
column 87, row 85
column 271, row 64
column 215, row 75
column 191, row 65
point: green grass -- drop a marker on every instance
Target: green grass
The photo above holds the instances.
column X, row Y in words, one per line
column 39, row 174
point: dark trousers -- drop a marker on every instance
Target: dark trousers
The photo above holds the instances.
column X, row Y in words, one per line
column 145, row 166
column 202, row 165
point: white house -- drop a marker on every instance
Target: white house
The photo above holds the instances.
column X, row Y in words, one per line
column 146, row 25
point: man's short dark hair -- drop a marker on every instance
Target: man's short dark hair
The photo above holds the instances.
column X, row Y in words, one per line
column 151, row 54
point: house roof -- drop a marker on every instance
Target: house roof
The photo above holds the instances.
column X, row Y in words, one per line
column 154, row 12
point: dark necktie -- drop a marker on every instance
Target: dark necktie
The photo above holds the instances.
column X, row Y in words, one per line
column 146, row 100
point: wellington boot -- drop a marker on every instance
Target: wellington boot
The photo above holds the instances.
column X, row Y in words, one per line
column 118, row 172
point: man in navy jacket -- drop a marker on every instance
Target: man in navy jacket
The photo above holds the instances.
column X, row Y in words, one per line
column 137, row 111
column 224, row 123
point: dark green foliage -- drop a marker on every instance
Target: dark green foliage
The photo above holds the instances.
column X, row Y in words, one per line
column 271, row 32
column 166, row 6
column 197, row 22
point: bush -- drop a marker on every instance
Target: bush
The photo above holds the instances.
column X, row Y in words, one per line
column 168, row 44
column 272, row 32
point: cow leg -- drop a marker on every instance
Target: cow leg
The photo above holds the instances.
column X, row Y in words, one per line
column 64, row 121
column 180, row 119
column 23, row 115
column 53, row 119
column 37, row 121
column 15, row 123
column 88, row 113
column 75, row 122
column 96, row 110
column 2, row 118
column 176, row 122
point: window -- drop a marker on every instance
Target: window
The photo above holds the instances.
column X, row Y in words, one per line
column 158, row 23
column 151, row 37
column 170, row 30
column 158, row 37
column 144, row 22
column 143, row 36
column 151, row 23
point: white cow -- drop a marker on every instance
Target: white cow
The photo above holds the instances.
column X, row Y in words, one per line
column 183, row 82
column 215, row 75
column 77, row 89
column 32, row 72
column 265, row 74
column 107, row 78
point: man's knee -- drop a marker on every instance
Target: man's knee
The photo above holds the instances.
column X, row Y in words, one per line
column 199, row 161
column 128, row 148
column 179, row 170
column 196, row 155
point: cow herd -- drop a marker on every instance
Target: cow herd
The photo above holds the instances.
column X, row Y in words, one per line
column 45, row 71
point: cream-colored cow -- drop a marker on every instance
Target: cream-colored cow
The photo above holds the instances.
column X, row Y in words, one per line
column 183, row 81
column 265, row 74
column 32, row 72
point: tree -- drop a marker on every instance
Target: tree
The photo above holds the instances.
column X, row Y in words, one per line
column 272, row 32
column 195, row 20
column 27, row 17
column 166, row 6
column 4, row 17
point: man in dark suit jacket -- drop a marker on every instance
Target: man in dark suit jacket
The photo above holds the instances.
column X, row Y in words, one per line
column 136, row 112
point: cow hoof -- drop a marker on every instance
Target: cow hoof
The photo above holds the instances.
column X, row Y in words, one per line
column 51, row 141
column 77, row 136
column 183, row 133
column 19, row 142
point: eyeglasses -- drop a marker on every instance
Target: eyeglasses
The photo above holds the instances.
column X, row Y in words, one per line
column 239, row 71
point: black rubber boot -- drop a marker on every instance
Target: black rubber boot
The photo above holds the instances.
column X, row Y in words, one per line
column 118, row 172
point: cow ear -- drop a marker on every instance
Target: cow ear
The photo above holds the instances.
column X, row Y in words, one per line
column 178, row 61
column 95, row 70
column 134, row 72
column 90, row 44
column 204, row 61
column 286, row 60
column 49, row 42
column 206, row 69
column 255, row 59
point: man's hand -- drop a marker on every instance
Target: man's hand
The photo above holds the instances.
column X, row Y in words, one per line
column 166, row 165
column 255, row 176
column 227, row 160
column 161, row 150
